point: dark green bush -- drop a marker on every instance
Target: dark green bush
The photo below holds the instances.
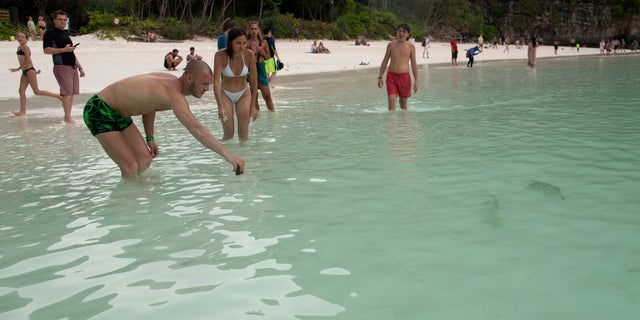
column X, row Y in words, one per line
column 6, row 31
column 177, row 31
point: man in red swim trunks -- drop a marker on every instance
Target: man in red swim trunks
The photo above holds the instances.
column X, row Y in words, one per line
column 398, row 56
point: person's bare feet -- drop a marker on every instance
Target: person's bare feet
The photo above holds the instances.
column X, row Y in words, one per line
column 69, row 121
column 18, row 113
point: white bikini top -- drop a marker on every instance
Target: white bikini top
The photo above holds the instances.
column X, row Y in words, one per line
column 227, row 72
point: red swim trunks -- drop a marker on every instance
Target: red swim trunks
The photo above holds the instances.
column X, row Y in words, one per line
column 399, row 84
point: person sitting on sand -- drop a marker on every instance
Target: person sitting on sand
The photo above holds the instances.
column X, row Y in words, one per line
column 322, row 48
column 193, row 55
column 150, row 37
column 361, row 41
column 314, row 47
column 29, row 75
column 172, row 60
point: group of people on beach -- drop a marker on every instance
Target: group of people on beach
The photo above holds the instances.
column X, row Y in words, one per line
column 617, row 46
column 319, row 47
column 241, row 67
column 56, row 42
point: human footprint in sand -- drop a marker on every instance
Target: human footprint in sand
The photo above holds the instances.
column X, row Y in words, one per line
column 29, row 75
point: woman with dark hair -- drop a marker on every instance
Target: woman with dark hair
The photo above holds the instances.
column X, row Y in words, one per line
column 29, row 75
column 260, row 48
column 232, row 67
column 531, row 54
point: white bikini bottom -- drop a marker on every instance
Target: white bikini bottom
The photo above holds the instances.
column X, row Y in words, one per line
column 235, row 96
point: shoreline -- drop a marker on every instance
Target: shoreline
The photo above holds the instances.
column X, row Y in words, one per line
column 106, row 61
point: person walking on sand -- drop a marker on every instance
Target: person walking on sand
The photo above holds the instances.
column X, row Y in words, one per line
column 531, row 53
column 260, row 48
column 506, row 45
column 397, row 58
column 454, row 51
column 58, row 44
column 236, row 66
column 29, row 75
column 108, row 115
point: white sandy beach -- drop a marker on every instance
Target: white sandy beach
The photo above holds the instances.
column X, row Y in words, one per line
column 106, row 61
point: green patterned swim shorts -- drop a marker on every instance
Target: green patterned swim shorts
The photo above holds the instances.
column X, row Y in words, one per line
column 100, row 117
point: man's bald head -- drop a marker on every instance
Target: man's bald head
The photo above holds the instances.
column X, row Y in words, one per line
column 196, row 67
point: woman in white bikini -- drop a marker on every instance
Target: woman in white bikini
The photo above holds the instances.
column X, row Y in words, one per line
column 29, row 74
column 232, row 67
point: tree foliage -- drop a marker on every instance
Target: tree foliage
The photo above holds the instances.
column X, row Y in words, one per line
column 330, row 18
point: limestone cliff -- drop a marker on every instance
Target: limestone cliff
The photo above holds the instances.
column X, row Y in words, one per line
column 587, row 21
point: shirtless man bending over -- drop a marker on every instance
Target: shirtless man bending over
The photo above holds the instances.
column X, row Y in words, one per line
column 401, row 53
column 108, row 115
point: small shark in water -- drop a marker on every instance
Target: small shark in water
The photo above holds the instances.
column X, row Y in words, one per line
column 545, row 188
column 494, row 214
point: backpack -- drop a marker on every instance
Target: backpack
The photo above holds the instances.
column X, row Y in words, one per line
column 424, row 42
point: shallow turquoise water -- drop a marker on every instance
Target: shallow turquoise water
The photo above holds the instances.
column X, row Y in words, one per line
column 503, row 193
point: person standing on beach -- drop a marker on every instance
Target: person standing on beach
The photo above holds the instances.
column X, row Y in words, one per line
column 58, row 44
column 506, row 44
column 272, row 63
column 29, row 75
column 556, row 42
column 31, row 25
column 260, row 48
column 108, row 115
column 222, row 38
column 531, row 53
column 42, row 26
column 233, row 67
column 397, row 58
column 454, row 51
column 425, row 47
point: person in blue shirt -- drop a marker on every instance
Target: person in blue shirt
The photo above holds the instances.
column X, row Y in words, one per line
column 222, row 38
column 470, row 53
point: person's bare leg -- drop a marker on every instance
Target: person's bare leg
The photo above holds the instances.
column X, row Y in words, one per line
column 272, row 79
column 22, row 91
column 127, row 149
column 392, row 102
column 67, row 103
column 266, row 95
column 403, row 103
column 242, row 112
column 228, row 126
column 33, row 82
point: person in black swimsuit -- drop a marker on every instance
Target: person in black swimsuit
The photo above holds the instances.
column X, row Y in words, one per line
column 29, row 74
column 172, row 60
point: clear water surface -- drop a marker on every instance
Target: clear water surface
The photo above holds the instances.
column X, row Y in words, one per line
column 503, row 193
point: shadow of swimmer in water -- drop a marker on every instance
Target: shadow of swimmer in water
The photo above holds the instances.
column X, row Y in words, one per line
column 545, row 188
